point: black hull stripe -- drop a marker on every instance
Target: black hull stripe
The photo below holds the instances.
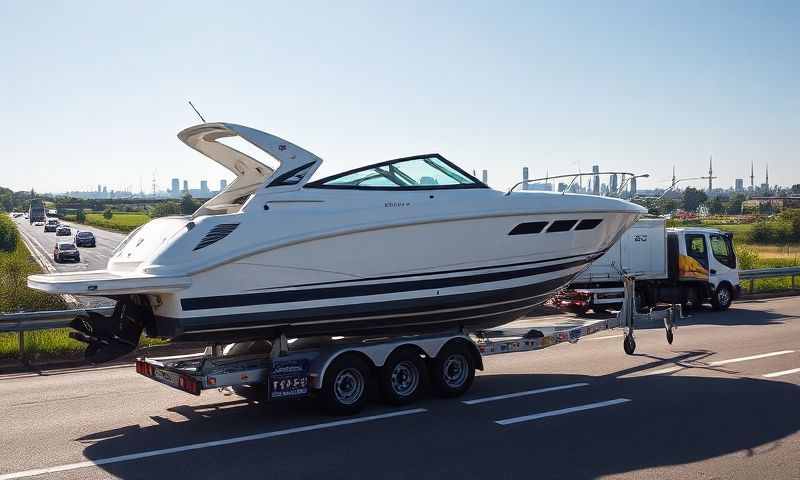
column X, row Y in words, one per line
column 267, row 298
column 593, row 256
column 362, row 316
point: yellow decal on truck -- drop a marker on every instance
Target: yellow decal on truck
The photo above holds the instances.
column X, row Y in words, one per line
column 690, row 269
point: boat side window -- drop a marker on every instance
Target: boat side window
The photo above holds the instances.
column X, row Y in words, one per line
column 721, row 248
column 424, row 172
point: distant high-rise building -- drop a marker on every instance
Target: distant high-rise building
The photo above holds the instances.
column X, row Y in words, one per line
column 222, row 184
column 186, row 186
column 99, row 188
column 204, row 186
column 612, row 183
column 524, row 178
column 105, row 189
column 562, row 186
column 739, row 185
column 596, row 180
column 541, row 186
column 485, row 177
column 176, row 185
column 633, row 187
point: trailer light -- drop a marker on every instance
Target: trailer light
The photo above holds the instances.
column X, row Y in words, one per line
column 212, row 381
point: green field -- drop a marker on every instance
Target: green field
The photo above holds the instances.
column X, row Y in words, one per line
column 121, row 221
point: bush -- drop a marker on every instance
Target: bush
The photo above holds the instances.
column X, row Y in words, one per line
column 108, row 214
column 8, row 234
column 80, row 216
column 747, row 257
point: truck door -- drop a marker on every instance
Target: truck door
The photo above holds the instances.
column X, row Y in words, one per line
column 694, row 265
column 723, row 261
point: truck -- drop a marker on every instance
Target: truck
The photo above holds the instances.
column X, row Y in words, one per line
column 36, row 211
column 689, row 266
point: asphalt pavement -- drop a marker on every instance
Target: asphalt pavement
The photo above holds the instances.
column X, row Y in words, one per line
column 42, row 243
column 720, row 402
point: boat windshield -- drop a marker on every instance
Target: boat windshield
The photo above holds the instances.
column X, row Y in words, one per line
column 421, row 172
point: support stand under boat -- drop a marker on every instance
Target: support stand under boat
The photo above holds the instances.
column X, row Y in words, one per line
column 628, row 314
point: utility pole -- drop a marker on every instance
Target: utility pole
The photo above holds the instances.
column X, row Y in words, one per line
column 710, row 175
column 752, row 179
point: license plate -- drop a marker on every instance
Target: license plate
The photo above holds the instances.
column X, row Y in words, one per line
column 165, row 376
column 288, row 379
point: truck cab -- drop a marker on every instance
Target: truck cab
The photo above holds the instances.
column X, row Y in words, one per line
column 704, row 258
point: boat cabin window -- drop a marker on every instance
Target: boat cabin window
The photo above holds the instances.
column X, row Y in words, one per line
column 424, row 172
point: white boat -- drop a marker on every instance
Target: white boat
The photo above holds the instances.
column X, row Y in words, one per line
column 414, row 244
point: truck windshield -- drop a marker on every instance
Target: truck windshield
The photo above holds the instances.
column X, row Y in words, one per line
column 723, row 250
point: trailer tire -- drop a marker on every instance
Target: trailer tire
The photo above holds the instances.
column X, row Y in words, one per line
column 453, row 370
column 403, row 377
column 722, row 297
column 345, row 386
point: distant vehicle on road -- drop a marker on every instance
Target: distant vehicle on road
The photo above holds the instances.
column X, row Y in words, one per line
column 25, row 215
column 63, row 231
column 66, row 251
column 689, row 266
column 16, row 214
column 36, row 211
column 85, row 239
column 51, row 225
column 38, row 224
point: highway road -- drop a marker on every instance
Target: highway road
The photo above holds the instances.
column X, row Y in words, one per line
column 721, row 402
column 42, row 243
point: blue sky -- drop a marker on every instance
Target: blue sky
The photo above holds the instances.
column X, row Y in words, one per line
column 94, row 92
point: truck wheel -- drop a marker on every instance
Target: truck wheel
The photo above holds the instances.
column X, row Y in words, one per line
column 453, row 370
column 344, row 389
column 403, row 377
column 722, row 298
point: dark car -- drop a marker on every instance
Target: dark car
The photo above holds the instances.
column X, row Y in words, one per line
column 51, row 225
column 66, row 251
column 63, row 231
column 85, row 239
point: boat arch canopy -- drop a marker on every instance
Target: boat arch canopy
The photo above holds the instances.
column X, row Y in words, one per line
column 295, row 165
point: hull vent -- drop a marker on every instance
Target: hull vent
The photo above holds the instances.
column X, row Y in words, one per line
column 216, row 234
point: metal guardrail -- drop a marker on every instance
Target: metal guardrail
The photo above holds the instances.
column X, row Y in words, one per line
column 759, row 273
column 768, row 273
column 44, row 320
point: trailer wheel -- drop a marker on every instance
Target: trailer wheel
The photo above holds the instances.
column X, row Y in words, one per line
column 344, row 389
column 721, row 299
column 453, row 370
column 403, row 377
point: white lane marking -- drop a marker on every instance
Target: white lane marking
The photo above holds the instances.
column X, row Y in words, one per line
column 666, row 370
column 198, row 446
column 782, row 373
column 603, row 338
column 523, row 394
column 563, row 411
column 751, row 357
